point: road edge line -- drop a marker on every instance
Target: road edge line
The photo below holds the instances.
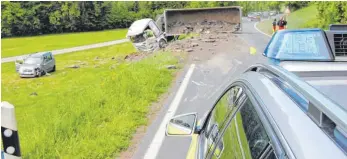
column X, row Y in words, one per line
column 256, row 28
column 154, row 146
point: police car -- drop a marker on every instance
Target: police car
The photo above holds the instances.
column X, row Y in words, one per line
column 293, row 107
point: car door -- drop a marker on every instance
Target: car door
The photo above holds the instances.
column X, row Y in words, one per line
column 51, row 61
column 217, row 119
column 47, row 61
column 244, row 136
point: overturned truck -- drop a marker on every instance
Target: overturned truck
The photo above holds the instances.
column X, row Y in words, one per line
column 152, row 35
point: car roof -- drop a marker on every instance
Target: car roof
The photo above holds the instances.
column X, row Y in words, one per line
column 330, row 78
column 138, row 27
column 303, row 136
column 40, row 54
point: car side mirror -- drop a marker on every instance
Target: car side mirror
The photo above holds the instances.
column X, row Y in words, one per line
column 181, row 125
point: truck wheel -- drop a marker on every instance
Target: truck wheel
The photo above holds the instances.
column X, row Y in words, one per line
column 162, row 43
column 53, row 69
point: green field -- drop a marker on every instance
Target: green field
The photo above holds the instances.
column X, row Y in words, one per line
column 89, row 112
column 302, row 18
column 25, row 45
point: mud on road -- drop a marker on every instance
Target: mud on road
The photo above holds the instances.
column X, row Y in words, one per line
column 207, row 45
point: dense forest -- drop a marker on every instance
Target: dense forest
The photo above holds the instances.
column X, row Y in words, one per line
column 37, row 18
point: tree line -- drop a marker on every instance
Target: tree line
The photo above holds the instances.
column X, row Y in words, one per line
column 27, row 18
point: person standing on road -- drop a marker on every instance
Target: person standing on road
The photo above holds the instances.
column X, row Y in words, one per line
column 282, row 23
column 274, row 24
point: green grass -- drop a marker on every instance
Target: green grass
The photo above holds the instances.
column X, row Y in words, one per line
column 302, row 18
column 265, row 26
column 188, row 36
column 231, row 141
column 86, row 112
column 24, row 45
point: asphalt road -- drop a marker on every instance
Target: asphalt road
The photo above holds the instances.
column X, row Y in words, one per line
column 73, row 49
column 210, row 76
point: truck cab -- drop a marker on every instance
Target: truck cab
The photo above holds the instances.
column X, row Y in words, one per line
column 146, row 36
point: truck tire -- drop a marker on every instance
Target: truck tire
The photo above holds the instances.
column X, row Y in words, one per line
column 53, row 70
column 162, row 43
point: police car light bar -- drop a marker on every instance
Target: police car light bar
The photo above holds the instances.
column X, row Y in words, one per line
column 299, row 45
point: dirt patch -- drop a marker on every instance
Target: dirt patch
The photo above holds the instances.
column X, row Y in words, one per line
column 206, row 42
column 134, row 57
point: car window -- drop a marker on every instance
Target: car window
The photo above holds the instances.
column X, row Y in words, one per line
column 245, row 136
column 49, row 56
column 155, row 29
column 220, row 113
column 32, row 60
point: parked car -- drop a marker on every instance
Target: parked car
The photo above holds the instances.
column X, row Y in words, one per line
column 290, row 108
column 273, row 13
column 35, row 65
column 253, row 16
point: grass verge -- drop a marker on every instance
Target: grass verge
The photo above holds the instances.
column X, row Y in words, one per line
column 89, row 112
column 265, row 26
column 24, row 45
column 188, row 36
column 302, row 18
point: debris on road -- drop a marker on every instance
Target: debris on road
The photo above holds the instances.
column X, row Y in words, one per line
column 196, row 59
column 33, row 94
column 209, row 40
column 189, row 50
column 113, row 57
column 96, row 58
column 194, row 44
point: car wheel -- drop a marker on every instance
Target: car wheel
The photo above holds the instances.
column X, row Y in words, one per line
column 38, row 73
column 162, row 43
column 53, row 70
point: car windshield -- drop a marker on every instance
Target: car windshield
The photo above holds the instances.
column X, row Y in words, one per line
column 32, row 60
column 138, row 38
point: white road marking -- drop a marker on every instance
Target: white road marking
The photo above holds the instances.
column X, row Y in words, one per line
column 238, row 62
column 196, row 83
column 155, row 145
column 255, row 27
column 195, row 97
column 239, row 138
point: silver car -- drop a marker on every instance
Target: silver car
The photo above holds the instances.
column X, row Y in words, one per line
column 36, row 65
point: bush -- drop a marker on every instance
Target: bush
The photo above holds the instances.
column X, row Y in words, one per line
column 311, row 24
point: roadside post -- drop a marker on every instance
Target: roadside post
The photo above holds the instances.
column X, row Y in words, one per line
column 9, row 132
